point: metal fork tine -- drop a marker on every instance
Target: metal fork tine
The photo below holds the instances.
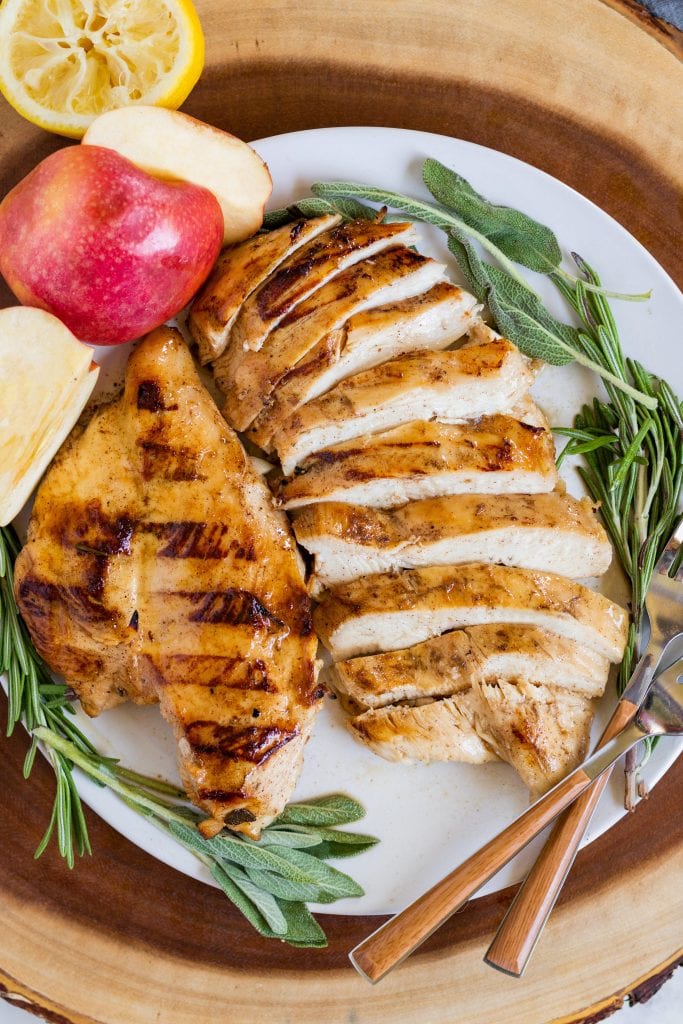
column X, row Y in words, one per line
column 668, row 555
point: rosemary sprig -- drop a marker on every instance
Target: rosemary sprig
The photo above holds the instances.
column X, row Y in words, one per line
column 269, row 881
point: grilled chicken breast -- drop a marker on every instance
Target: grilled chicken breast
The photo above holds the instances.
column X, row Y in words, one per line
column 307, row 270
column 491, row 455
column 248, row 380
column 552, row 532
column 451, row 387
column 440, row 730
column 542, row 732
column 241, row 269
column 454, row 661
column 378, row 613
column 433, row 320
column 156, row 568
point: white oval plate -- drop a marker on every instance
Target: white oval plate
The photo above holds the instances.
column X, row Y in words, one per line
column 428, row 817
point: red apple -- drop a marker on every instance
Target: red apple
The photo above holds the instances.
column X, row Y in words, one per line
column 106, row 247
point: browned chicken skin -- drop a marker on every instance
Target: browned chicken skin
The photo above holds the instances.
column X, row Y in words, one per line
column 157, row 568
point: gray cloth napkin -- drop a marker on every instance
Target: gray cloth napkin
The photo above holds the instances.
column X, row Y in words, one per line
column 669, row 10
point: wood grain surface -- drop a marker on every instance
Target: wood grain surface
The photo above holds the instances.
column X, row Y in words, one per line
column 582, row 91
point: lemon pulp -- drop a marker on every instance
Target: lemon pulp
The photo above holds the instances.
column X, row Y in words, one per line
column 63, row 62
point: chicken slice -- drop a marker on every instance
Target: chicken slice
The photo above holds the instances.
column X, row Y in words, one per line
column 240, row 269
column 248, row 381
column 447, row 664
column 433, row 320
column 156, row 567
column 553, row 532
column 491, row 455
column 309, row 269
column 440, row 730
column 451, row 387
column 378, row 613
column 541, row 731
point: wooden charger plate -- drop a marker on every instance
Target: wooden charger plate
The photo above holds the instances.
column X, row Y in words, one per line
column 590, row 92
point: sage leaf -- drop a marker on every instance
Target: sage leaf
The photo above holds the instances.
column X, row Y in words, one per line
column 285, row 889
column 312, row 206
column 295, row 840
column 243, row 904
column 522, row 318
column 332, row 850
column 317, row 872
column 520, row 237
column 351, row 209
column 264, row 901
column 308, row 207
column 336, row 835
column 328, row 810
column 229, row 849
column 302, row 928
column 472, row 267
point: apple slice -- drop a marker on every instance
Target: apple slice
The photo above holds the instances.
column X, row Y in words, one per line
column 169, row 144
column 46, row 377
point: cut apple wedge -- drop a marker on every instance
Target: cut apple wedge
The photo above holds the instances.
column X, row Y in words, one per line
column 169, row 144
column 46, row 378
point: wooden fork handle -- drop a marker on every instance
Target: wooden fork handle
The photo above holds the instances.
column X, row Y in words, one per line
column 396, row 939
column 522, row 925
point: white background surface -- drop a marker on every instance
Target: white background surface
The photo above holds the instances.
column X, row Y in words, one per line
column 664, row 1008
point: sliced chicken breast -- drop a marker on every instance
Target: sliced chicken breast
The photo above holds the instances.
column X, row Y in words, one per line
column 491, row 455
column 240, row 269
column 552, row 532
column 307, row 270
column 247, row 382
column 433, row 320
column 451, row 387
column 542, row 732
column 378, row 613
column 440, row 730
column 447, row 664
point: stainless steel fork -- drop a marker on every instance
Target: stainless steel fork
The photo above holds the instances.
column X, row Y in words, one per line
column 527, row 915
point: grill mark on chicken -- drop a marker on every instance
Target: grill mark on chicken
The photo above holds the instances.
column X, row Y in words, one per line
column 234, row 607
column 191, row 539
column 88, row 529
column 151, row 397
column 279, row 293
column 295, row 230
column 252, row 744
column 167, row 462
column 229, row 796
column 213, row 670
column 82, row 602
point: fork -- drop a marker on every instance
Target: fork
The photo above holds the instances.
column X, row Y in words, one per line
column 660, row 714
column 527, row 915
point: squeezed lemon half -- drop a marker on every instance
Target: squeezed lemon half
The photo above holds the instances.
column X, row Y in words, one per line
column 63, row 62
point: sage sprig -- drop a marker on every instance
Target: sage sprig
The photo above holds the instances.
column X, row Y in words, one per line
column 269, row 881
column 513, row 233
column 508, row 235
